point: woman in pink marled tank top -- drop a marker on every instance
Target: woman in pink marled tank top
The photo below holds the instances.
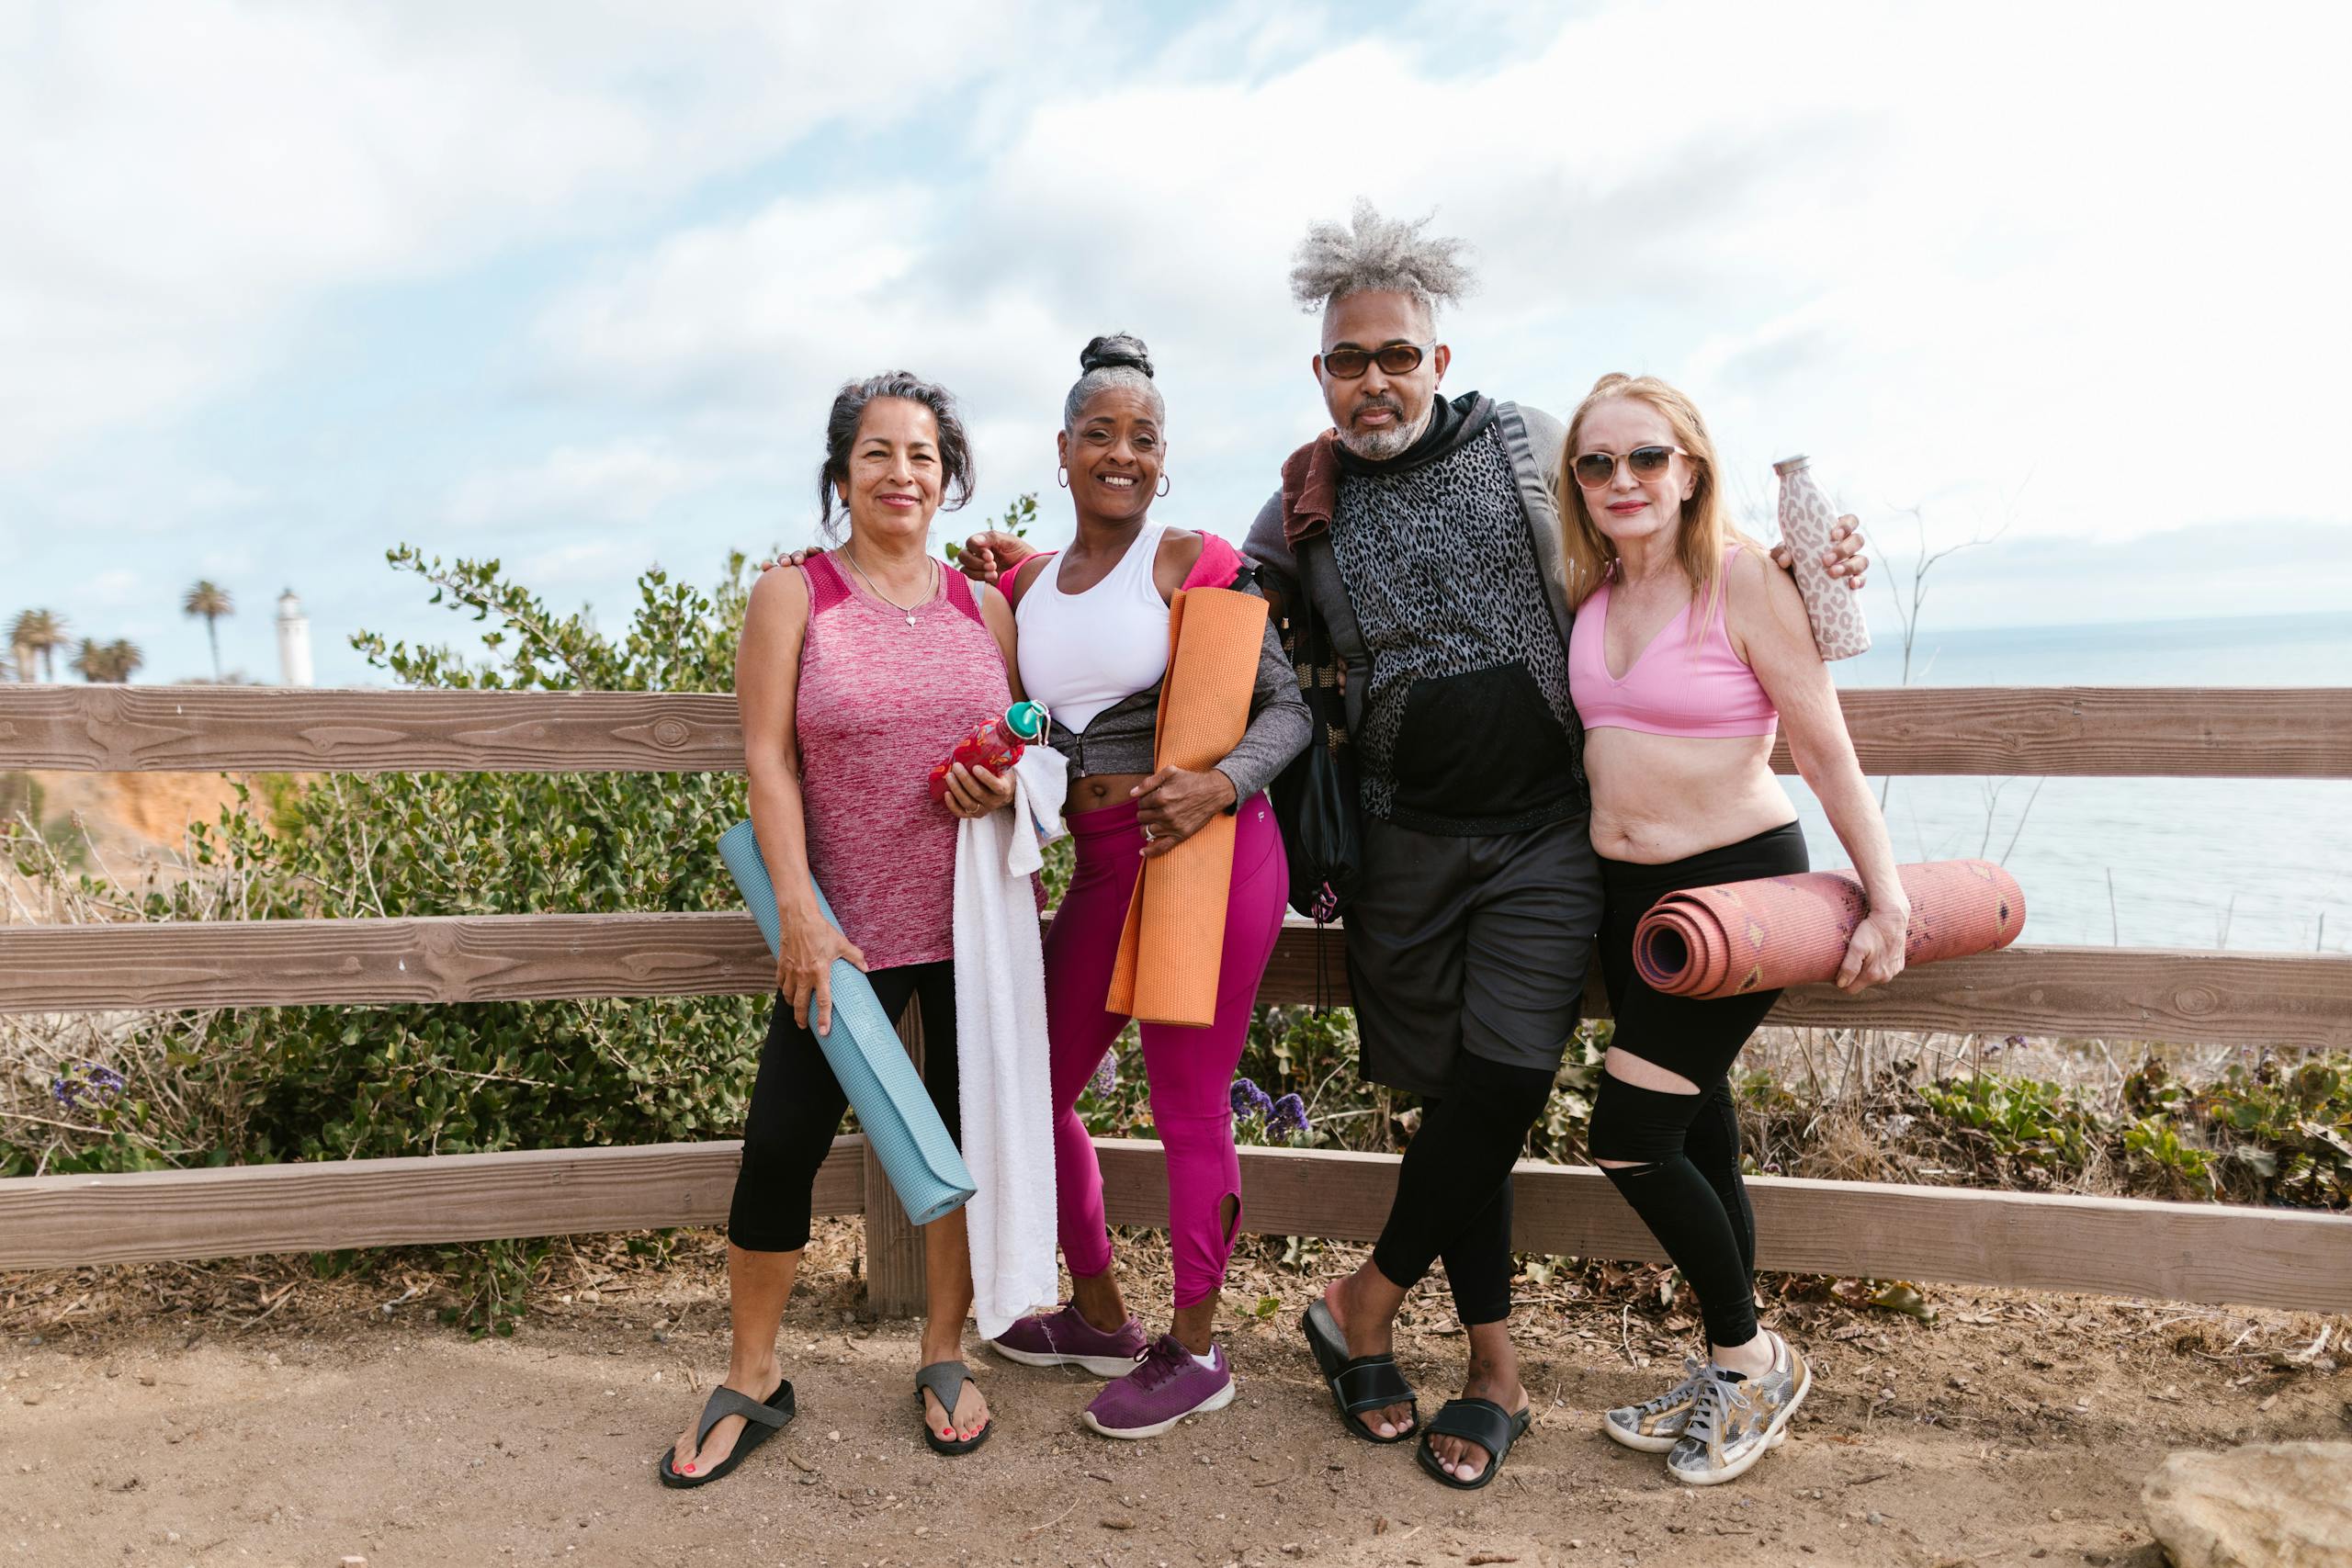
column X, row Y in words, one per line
column 858, row 672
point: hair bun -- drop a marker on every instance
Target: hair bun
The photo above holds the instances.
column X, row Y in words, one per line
column 1119, row 350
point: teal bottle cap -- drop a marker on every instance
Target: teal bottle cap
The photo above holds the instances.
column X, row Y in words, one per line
column 1027, row 720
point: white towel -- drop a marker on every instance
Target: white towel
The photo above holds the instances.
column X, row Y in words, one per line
column 1001, row 1050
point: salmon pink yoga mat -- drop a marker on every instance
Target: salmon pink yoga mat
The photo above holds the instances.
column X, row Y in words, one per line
column 1791, row 930
column 1174, row 940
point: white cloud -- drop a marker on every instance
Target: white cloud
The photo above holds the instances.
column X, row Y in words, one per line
column 625, row 481
column 181, row 177
column 2074, row 268
column 1947, row 262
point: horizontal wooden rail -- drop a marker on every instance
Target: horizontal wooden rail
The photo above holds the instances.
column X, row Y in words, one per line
column 58, row 1222
column 2121, row 731
column 107, row 729
column 2214, row 732
column 2116, row 993
column 2189, row 1252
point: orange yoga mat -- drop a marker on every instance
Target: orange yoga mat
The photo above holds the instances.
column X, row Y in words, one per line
column 1174, row 938
column 1791, row 930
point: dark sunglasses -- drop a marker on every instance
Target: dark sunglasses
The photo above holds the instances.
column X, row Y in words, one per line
column 1594, row 470
column 1394, row 359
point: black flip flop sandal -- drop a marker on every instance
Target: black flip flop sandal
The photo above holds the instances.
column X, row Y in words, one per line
column 1480, row 1421
column 945, row 1380
column 761, row 1422
column 1358, row 1383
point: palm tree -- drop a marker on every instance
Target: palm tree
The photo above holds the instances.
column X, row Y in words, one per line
column 112, row 662
column 41, row 633
column 211, row 601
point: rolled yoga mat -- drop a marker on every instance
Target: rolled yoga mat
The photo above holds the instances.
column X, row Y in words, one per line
column 1173, row 943
column 862, row 1048
column 1737, row 937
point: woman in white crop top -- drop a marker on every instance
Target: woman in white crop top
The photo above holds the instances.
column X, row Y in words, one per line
column 1095, row 645
column 1093, row 638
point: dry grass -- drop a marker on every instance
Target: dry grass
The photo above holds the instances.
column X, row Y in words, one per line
column 180, row 1066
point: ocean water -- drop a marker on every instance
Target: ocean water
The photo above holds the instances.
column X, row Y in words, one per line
column 2256, row 865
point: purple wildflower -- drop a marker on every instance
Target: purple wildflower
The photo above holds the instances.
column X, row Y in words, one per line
column 1247, row 1099
column 1106, row 1075
column 93, row 1078
column 1289, row 1115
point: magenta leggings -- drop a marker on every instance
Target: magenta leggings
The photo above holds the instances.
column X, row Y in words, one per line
column 1190, row 1070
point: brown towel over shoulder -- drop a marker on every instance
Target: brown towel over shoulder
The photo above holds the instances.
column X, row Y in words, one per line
column 1310, row 487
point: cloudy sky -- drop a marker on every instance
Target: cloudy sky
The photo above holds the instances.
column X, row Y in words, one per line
column 569, row 285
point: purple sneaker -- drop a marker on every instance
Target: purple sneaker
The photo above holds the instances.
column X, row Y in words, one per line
column 1064, row 1338
column 1167, row 1385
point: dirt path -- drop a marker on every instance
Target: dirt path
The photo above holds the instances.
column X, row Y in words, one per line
column 2016, row 1428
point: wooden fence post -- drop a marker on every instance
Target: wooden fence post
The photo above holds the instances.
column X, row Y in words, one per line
column 894, row 1274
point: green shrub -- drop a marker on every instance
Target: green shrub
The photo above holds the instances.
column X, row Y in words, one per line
column 2288, row 1131
column 331, row 1083
column 2031, row 1125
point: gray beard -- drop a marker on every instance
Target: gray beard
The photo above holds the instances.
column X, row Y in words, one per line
column 1379, row 446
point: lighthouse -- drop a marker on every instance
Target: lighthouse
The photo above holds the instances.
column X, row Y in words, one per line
column 293, row 641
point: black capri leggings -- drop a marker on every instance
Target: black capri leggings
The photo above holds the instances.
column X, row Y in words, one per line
column 797, row 1106
column 1454, row 1191
column 1684, row 1181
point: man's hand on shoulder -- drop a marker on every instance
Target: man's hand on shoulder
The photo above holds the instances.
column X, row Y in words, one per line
column 992, row 553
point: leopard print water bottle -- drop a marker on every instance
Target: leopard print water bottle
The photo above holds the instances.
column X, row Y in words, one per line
column 1806, row 517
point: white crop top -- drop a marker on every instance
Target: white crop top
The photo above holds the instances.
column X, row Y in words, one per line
column 1083, row 653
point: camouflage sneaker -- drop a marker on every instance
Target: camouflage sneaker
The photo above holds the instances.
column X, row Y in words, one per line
column 1655, row 1426
column 1736, row 1421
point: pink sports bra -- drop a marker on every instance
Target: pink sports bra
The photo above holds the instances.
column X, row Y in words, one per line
column 1674, row 686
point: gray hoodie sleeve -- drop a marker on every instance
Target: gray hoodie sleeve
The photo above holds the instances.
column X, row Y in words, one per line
column 1279, row 721
column 1269, row 551
column 1547, row 438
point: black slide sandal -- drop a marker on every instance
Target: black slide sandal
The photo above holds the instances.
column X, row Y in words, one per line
column 1480, row 1421
column 761, row 1422
column 945, row 1380
column 1357, row 1384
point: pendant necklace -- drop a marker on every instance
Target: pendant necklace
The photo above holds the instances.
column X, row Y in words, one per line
column 906, row 610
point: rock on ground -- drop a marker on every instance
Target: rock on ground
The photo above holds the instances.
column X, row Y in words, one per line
column 2265, row 1505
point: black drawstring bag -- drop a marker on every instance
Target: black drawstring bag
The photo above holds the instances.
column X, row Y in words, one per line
column 1315, row 797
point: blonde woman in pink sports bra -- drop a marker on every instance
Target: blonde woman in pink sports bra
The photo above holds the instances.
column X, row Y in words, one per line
column 1689, row 650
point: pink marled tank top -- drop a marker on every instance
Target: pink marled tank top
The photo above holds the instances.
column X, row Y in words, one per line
column 880, row 702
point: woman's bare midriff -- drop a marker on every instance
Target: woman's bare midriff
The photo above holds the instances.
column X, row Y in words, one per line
column 1662, row 797
column 1099, row 790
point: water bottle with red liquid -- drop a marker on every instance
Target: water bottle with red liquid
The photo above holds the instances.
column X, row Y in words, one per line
column 994, row 744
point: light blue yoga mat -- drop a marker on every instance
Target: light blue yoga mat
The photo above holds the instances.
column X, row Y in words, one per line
column 865, row 1054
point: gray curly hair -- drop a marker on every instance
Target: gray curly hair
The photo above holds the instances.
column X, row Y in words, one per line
column 1117, row 359
column 1375, row 252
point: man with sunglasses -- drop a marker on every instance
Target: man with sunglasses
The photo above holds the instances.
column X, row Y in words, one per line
column 1424, row 532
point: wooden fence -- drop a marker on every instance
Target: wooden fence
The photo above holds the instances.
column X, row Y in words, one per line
column 2188, row 1252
